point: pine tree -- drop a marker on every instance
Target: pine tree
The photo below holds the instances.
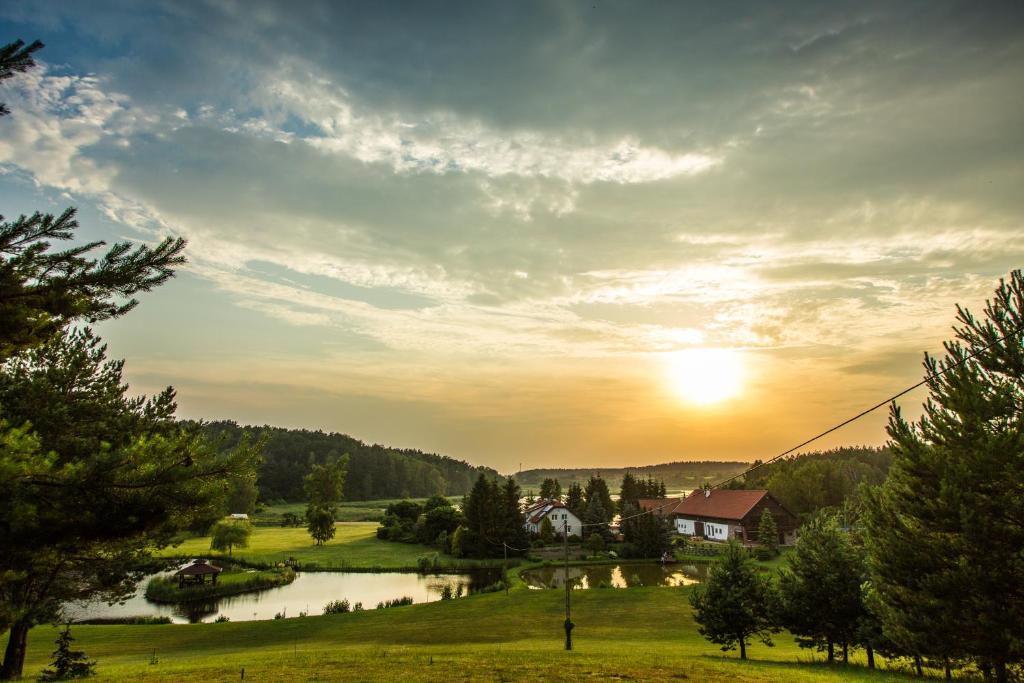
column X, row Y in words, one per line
column 597, row 489
column 16, row 58
column 735, row 603
column 821, row 588
column 68, row 664
column 768, row 533
column 575, row 501
column 944, row 533
column 629, row 493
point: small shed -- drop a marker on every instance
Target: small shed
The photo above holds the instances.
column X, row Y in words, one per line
column 196, row 573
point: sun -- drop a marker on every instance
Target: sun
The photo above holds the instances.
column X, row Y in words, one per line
column 705, row 376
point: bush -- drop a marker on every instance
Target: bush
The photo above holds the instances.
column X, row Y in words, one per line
column 573, row 538
column 397, row 602
column 337, row 607
column 358, row 607
column 222, row 619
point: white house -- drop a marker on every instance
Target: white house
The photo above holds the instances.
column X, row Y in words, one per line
column 562, row 519
column 238, row 515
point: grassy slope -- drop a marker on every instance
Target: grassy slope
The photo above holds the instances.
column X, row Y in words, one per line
column 354, row 545
column 645, row 634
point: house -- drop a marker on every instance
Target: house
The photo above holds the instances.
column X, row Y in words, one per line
column 721, row 514
column 238, row 515
column 562, row 519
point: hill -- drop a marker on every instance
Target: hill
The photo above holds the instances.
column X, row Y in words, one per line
column 374, row 471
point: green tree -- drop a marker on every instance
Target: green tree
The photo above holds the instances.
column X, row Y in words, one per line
column 597, row 489
column 325, row 482
column 595, row 519
column 821, row 589
column 320, row 523
column 575, row 501
column 68, row 664
column 629, row 493
column 227, row 534
column 550, row 489
column 735, row 603
column 91, row 482
column 16, row 58
column 652, row 536
column 242, row 495
column 547, row 531
column 768, row 533
column 944, row 532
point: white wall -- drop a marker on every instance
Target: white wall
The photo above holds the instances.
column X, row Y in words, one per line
column 718, row 532
column 684, row 526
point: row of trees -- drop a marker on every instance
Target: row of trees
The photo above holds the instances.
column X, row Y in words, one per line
column 92, row 480
column 810, row 482
column 493, row 521
column 931, row 566
column 374, row 471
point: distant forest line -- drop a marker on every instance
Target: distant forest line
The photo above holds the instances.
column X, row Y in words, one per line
column 374, row 471
column 676, row 475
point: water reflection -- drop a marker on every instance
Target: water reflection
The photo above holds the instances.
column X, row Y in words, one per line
column 616, row 576
column 307, row 594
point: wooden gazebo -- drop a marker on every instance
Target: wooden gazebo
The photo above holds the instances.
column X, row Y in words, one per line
column 196, row 573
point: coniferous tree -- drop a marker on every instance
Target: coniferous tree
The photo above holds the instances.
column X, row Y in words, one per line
column 944, row 533
column 629, row 493
column 575, row 501
column 547, row 531
column 68, row 664
column 768, row 533
column 597, row 490
column 550, row 489
column 821, row 589
column 735, row 603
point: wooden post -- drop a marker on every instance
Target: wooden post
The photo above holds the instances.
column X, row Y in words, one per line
column 568, row 588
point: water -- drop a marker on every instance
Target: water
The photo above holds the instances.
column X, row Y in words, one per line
column 308, row 593
column 617, row 576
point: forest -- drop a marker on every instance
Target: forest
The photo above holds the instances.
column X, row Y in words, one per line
column 374, row 471
column 675, row 475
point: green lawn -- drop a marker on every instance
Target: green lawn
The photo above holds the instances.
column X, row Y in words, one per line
column 348, row 511
column 354, row 546
column 635, row 634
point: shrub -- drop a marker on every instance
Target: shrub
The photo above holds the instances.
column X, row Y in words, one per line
column 397, row 602
column 358, row 607
column 337, row 607
column 222, row 619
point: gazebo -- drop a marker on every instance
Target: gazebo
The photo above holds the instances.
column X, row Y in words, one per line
column 196, row 573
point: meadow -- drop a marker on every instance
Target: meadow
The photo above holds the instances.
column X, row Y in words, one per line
column 635, row 634
column 354, row 547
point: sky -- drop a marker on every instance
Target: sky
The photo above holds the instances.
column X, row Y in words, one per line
column 553, row 234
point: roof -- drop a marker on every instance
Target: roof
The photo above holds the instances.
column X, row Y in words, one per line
column 662, row 507
column 536, row 512
column 722, row 503
column 198, row 568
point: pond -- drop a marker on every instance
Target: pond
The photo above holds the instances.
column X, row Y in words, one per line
column 616, row 576
column 308, row 593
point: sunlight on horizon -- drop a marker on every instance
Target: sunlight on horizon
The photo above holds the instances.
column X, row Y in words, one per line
column 705, row 376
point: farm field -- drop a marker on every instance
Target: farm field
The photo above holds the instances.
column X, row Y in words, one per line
column 635, row 634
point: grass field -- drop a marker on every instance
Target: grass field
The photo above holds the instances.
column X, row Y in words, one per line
column 636, row 634
column 348, row 511
column 354, row 546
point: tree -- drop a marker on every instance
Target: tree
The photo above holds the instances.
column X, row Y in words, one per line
column 91, row 481
column 574, row 500
column 821, row 590
column 735, row 603
column 242, row 495
column 550, row 489
column 16, row 58
column 595, row 519
column 68, row 664
column 651, row 537
column 325, row 482
column 320, row 523
column 629, row 493
column 547, row 531
column 597, row 489
column 226, row 534
column 945, row 530
column 768, row 533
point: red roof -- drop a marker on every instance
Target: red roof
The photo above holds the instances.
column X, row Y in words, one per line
column 722, row 503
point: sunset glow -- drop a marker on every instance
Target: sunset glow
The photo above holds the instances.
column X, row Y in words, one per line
column 706, row 376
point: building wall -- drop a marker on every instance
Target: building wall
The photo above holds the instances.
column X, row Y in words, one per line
column 559, row 517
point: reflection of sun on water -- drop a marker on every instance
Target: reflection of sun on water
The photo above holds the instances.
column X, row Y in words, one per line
column 705, row 376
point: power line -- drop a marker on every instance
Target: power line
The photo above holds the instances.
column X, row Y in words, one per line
column 873, row 408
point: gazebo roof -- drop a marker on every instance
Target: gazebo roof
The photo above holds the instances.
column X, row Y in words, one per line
column 198, row 568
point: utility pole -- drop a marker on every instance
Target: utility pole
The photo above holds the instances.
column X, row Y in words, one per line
column 504, row 572
column 568, row 588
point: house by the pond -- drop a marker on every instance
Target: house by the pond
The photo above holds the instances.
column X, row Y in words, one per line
column 721, row 514
column 562, row 518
